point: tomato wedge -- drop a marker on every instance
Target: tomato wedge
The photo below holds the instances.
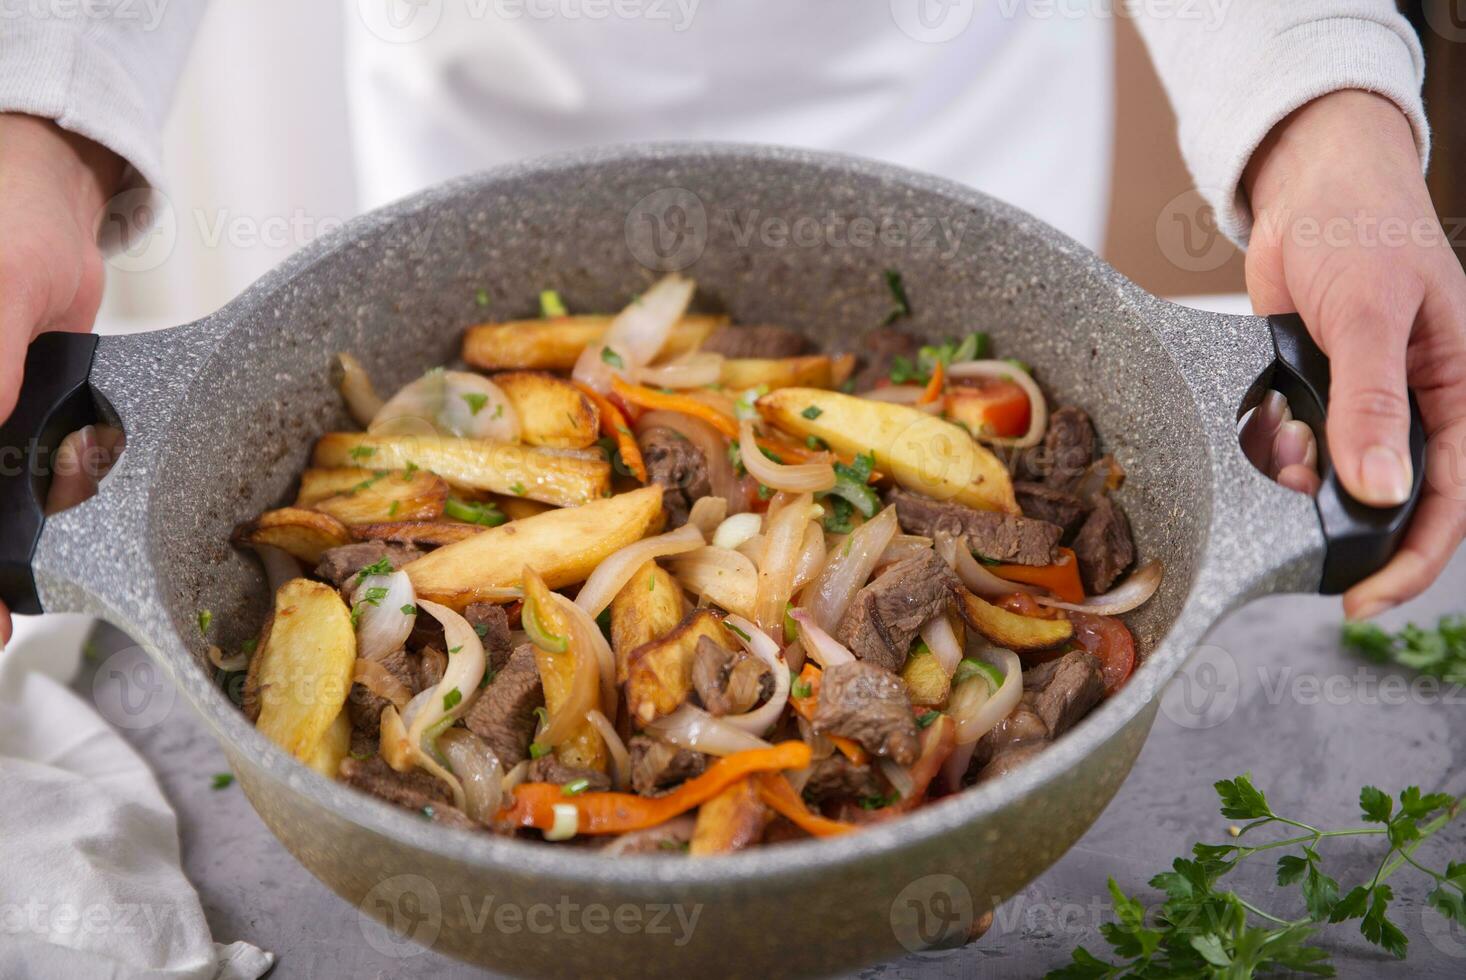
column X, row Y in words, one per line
column 990, row 408
column 1110, row 642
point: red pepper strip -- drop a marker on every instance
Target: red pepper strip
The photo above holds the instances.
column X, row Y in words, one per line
column 1061, row 578
column 938, row 741
column 775, row 791
column 934, row 386
column 807, row 706
column 614, row 424
column 656, row 400
column 619, row 813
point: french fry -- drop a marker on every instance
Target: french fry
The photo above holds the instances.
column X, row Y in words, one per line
column 921, row 452
column 518, row 508
column 334, row 746
column 432, row 534
column 300, row 677
column 585, row 748
column 564, row 546
column 304, row 534
column 376, row 496
column 552, row 411
column 730, row 821
column 555, row 344
column 1011, row 630
column 659, row 673
column 814, row 371
column 477, row 464
column 926, row 682
column 648, row 607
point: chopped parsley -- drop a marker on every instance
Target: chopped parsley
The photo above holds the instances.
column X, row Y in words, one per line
column 475, row 401
column 482, row 629
column 517, row 489
column 878, row 802
column 481, row 297
column 222, row 780
column 925, row 721
column 382, row 566
column 451, row 699
column 409, row 610
column 409, row 469
column 799, row 690
column 816, row 443
column 736, row 631
column 206, row 619
column 770, row 454
column 498, row 411
column 735, row 458
column 551, row 304
column 764, row 493
column 392, row 510
column 487, row 679
column 852, row 486
column 612, row 358
column 538, row 751
column 575, row 787
column 428, row 812
column 837, row 515
column 453, row 650
column 900, row 305
column 362, row 452
column 970, row 348
column 651, row 582
column 812, row 412
column 485, row 514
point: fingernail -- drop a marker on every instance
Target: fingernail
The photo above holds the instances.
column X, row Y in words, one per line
column 1291, row 446
column 1385, row 476
column 1270, row 409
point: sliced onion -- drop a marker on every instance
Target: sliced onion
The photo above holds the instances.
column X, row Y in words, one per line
column 714, row 448
column 904, row 395
column 1038, row 417
column 783, row 541
column 812, row 555
column 976, row 708
column 612, row 574
column 941, row 639
column 847, row 569
column 465, row 671
column 820, row 645
column 449, row 403
column 402, row 752
column 594, row 640
column 904, row 546
column 725, row 578
column 957, row 763
column 515, row 776
column 898, row 776
column 620, row 758
column 381, row 682
column 693, row 370
column 690, row 727
column 1101, row 475
column 973, row 573
column 280, row 566
column 678, row 830
column 361, row 398
column 737, row 529
column 383, row 626
column 1133, row 593
column 238, row 661
column 794, row 478
column 478, row 769
column 637, row 334
column 707, row 514
column 753, row 548
column 756, row 642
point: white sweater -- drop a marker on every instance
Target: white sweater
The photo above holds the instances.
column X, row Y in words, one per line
column 1233, row 70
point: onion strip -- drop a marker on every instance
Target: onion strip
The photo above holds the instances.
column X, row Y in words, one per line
column 620, row 758
column 381, row 682
column 612, row 574
column 1038, row 420
column 361, row 398
column 758, row 643
column 692, row 370
column 1131, row 594
column 793, row 478
column 820, row 645
column 973, row 573
column 690, row 727
column 848, row 568
column 776, row 569
column 941, row 639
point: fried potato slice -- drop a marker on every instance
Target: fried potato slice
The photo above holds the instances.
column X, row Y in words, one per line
column 647, row 608
column 1009, row 629
column 552, row 411
column 518, row 508
column 432, row 534
column 922, row 453
column 813, row 371
column 927, row 684
column 376, row 496
column 334, row 746
column 554, row 344
column 299, row 679
column 730, row 821
column 659, row 673
column 304, row 534
column 584, row 748
column 477, row 464
column 564, row 546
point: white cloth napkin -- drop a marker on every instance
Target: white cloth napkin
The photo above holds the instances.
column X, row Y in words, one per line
column 90, row 877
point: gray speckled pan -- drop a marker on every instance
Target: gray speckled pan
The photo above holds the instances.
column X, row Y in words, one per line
column 220, row 417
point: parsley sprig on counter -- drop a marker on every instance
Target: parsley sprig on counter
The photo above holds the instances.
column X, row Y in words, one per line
column 1440, row 652
column 1200, row 930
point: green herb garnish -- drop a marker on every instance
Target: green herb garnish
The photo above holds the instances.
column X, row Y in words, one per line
column 551, row 304
column 485, row 514
column 517, row 489
column 736, row 631
column 409, row 610
column 812, row 412
column 475, row 401
column 901, row 306
column 362, row 452
column 538, row 751
column 815, row 443
column 451, row 699
column 925, row 721
column 612, row 358
column 877, row 802
column 481, row 297
column 206, row 619
column 222, row 780
column 382, row 566
column 575, row 787
column 791, row 628
column 1440, row 652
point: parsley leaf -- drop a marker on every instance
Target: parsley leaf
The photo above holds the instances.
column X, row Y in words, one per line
column 475, row 401
column 612, row 358
column 901, row 306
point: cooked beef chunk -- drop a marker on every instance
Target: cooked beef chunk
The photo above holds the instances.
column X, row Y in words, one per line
column 504, row 715
column 338, row 565
column 657, row 765
column 365, row 709
column 549, row 769
column 492, row 625
column 1103, row 545
column 1006, row 762
column 864, row 702
column 432, row 665
column 679, row 467
column 1001, row 537
column 765, row 340
column 836, row 777
column 1058, row 507
column 415, row 790
column 668, row 838
column 1022, row 727
column 728, row 682
column 885, row 615
column 1064, row 690
column 1068, row 448
column 877, row 350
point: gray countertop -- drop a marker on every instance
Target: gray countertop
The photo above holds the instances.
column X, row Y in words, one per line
column 1271, row 693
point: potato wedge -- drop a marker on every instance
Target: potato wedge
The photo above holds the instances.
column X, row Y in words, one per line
column 647, row 608
column 304, row 534
column 815, row 371
column 659, row 673
column 433, row 534
column 317, row 484
column 552, row 411
column 553, row 345
column 518, row 508
column 301, row 676
column 585, row 748
column 1010, row 630
column 926, row 682
column 725, row 578
column 379, row 496
column 565, row 481
column 730, row 821
column 921, row 452
column 564, row 546
column 334, row 746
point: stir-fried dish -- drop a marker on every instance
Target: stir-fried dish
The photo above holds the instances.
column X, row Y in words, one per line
column 658, row 582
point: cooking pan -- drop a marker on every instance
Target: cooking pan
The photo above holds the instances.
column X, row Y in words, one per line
column 220, row 417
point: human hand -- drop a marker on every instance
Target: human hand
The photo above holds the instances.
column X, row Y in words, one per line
column 53, row 186
column 1346, row 236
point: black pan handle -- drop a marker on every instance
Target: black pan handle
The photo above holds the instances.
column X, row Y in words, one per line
column 55, row 399
column 1359, row 539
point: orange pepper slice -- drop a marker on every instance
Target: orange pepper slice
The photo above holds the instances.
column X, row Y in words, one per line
column 775, row 791
column 1061, row 578
column 657, row 400
column 934, row 386
column 614, row 424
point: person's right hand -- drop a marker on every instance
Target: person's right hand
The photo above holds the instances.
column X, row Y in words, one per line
column 53, row 188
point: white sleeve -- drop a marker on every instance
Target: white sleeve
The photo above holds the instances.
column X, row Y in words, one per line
column 1235, row 68
column 104, row 70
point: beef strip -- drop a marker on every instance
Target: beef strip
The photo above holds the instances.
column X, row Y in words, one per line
column 415, row 790
column 1068, row 448
column 868, row 704
column 994, row 535
column 549, row 769
column 365, row 709
column 679, row 467
column 837, row 778
column 763, row 340
column 885, row 615
column 504, row 714
column 657, row 765
column 728, row 682
column 1056, row 695
column 877, row 350
column 1044, row 503
column 491, row 623
column 339, row 565
column 1104, row 545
